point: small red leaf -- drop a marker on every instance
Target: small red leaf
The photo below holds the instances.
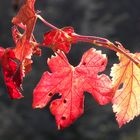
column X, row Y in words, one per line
column 12, row 74
column 16, row 62
column 71, row 82
column 23, row 53
column 26, row 17
column 59, row 39
column 24, row 49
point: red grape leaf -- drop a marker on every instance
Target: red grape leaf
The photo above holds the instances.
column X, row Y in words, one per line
column 12, row 74
column 126, row 80
column 71, row 82
column 18, row 36
column 59, row 39
column 26, row 17
column 23, row 53
column 24, row 49
column 16, row 62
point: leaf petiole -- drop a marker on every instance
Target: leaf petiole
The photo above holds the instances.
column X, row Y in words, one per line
column 46, row 23
column 95, row 40
column 105, row 43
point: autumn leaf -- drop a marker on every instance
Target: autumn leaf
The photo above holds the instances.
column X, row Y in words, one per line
column 12, row 74
column 71, row 82
column 59, row 39
column 26, row 17
column 126, row 83
column 16, row 62
column 24, row 49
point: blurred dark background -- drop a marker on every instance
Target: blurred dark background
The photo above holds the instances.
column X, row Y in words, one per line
column 113, row 19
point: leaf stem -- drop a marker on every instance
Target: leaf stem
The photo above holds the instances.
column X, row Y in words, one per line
column 95, row 40
column 47, row 23
column 105, row 43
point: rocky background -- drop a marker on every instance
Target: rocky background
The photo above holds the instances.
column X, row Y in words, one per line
column 113, row 19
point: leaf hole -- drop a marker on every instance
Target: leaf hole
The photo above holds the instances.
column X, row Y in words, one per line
column 63, row 118
column 50, row 94
column 64, row 101
column 102, row 63
column 84, row 63
column 120, row 86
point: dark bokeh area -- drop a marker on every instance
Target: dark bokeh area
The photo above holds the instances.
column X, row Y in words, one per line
column 116, row 20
